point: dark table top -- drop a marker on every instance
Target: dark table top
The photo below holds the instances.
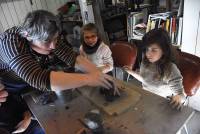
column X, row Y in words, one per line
column 152, row 114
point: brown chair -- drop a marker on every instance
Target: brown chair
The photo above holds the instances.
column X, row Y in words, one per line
column 124, row 54
column 189, row 66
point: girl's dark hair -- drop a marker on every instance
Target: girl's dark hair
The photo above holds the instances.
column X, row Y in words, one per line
column 162, row 39
column 89, row 27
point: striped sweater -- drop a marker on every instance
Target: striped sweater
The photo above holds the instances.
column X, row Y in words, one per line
column 21, row 63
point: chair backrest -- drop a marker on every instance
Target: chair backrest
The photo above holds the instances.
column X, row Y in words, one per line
column 189, row 66
column 123, row 53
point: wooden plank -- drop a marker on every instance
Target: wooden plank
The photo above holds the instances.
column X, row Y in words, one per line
column 61, row 2
column 65, row 1
column 34, row 5
column 23, row 10
column 18, row 11
column 128, row 99
column 52, row 6
column 7, row 13
column 38, row 4
column 25, row 7
column 3, row 19
column 57, row 5
column 1, row 27
column 28, row 5
column 44, row 4
column 20, row 8
column 13, row 12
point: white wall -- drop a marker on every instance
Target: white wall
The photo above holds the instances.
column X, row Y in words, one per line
column 12, row 12
column 198, row 39
column 191, row 30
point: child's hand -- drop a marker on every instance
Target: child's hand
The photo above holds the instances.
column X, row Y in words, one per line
column 177, row 101
column 127, row 69
column 135, row 74
column 23, row 125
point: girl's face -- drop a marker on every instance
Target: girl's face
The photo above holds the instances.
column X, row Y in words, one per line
column 153, row 53
column 90, row 38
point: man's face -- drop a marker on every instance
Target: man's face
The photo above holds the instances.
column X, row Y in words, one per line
column 45, row 47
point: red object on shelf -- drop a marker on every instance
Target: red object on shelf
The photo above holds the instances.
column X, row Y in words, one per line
column 63, row 9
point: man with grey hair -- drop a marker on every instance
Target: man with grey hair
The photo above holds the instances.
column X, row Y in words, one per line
column 28, row 53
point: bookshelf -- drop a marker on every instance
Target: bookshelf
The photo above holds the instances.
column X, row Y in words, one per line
column 135, row 29
column 167, row 20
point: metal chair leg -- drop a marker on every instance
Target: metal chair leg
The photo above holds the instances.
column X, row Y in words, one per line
column 185, row 128
column 128, row 78
column 114, row 72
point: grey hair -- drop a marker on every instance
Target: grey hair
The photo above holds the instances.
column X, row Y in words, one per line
column 39, row 25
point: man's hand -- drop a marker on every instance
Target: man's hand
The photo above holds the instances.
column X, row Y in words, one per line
column 3, row 94
column 23, row 125
column 99, row 79
column 116, row 89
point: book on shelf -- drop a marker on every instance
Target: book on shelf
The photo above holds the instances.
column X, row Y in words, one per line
column 135, row 26
column 180, row 29
column 168, row 21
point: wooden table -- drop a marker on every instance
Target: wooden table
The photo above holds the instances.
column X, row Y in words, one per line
column 150, row 115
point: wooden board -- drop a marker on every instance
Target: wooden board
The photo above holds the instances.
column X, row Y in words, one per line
column 128, row 99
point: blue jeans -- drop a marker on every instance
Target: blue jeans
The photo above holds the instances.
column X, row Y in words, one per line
column 11, row 113
column 34, row 128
